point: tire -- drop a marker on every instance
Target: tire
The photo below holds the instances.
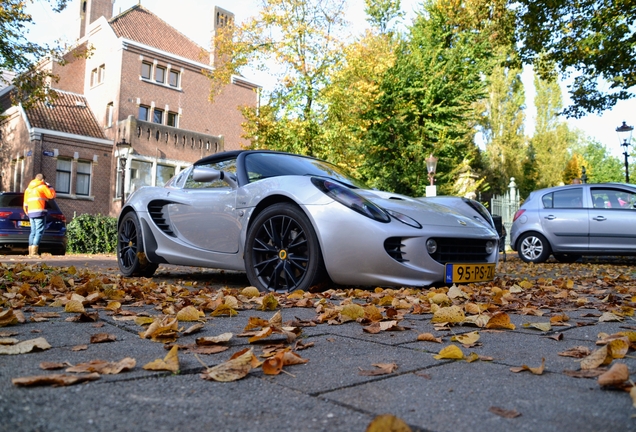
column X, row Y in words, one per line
column 59, row 252
column 282, row 252
column 533, row 248
column 566, row 258
column 131, row 258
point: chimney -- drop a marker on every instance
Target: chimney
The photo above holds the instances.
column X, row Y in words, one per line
column 91, row 10
column 222, row 18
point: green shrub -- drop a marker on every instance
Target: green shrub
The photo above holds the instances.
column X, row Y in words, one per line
column 92, row 234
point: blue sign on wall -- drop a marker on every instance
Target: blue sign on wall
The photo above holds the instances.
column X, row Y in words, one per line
column 48, row 153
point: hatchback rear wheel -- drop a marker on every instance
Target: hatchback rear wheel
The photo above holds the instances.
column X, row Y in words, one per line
column 533, row 248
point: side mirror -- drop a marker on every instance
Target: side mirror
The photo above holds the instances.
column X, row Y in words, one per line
column 206, row 175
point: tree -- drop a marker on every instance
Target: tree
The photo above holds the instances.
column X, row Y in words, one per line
column 22, row 57
column 381, row 12
column 426, row 105
column 502, row 123
column 600, row 165
column 591, row 40
column 552, row 138
column 297, row 41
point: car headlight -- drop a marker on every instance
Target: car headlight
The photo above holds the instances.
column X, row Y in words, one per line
column 431, row 246
column 404, row 218
column 349, row 198
column 490, row 247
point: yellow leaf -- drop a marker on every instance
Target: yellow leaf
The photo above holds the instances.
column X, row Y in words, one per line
column 618, row 348
column 467, row 339
column 456, row 292
column 224, row 310
column 598, row 358
column 188, row 313
column 73, row 306
column 296, row 295
column 269, row 303
column 372, row 313
column 441, row 299
column 472, row 357
column 451, row 314
column 477, row 320
column 113, row 305
column 351, row 312
column 387, row 423
column 544, row 326
column 609, row 316
column 452, row 352
column 536, row 370
column 250, row 292
column 8, row 318
column 169, row 363
column 525, row 284
column 500, row 320
column 267, row 331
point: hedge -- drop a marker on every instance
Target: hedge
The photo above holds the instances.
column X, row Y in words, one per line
column 92, row 234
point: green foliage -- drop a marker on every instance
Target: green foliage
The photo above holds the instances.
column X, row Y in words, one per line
column 600, row 166
column 92, row 234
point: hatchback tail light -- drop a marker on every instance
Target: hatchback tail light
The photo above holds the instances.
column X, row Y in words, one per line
column 518, row 214
column 5, row 214
column 59, row 217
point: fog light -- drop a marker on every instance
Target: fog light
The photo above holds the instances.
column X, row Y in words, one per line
column 490, row 247
column 431, row 246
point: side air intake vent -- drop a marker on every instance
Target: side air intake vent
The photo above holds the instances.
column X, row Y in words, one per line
column 159, row 215
column 393, row 246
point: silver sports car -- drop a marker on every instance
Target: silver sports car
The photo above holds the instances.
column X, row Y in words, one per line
column 291, row 222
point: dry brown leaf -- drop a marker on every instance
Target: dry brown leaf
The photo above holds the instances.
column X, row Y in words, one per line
column 500, row 320
column 194, row 328
column 214, row 340
column 450, row 314
column 501, row 412
column 618, row 348
column 103, row 337
column 54, row 379
column 231, row 370
column 587, row 373
column 169, row 363
column 189, row 313
column 576, row 352
column 387, row 423
column 8, row 317
column 429, row 337
column 609, row 317
column 536, row 370
column 543, row 326
column 74, row 306
column 632, row 394
column 273, row 365
column 26, row 346
column 616, row 375
column 104, row 367
column 597, row 358
column 380, row 369
column 79, row 348
column 54, row 365
column 9, row 341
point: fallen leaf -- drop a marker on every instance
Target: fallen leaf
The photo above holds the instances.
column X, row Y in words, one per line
column 597, row 358
column 616, row 375
column 467, row 339
column 54, row 365
column 73, row 306
column 189, row 313
column 586, row 373
column 193, row 328
column 8, row 317
column 609, row 317
column 632, row 394
column 104, row 367
column 103, row 337
column 387, row 423
column 214, row 340
column 577, row 352
column 380, row 369
column 500, row 320
column 55, row 379
column 26, row 346
column 452, row 352
column 231, row 370
column 504, row 412
column 451, row 314
column 169, row 363
column 429, row 337
column 79, row 348
column 536, row 370
column 543, row 326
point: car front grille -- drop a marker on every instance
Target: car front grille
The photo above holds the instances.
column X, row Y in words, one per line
column 160, row 217
column 454, row 250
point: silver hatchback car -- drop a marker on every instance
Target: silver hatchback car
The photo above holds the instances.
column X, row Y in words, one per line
column 574, row 220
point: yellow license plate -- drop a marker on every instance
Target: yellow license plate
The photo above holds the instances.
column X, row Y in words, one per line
column 464, row 273
column 25, row 223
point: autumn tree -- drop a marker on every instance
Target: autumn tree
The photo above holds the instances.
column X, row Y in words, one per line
column 21, row 56
column 425, row 106
column 574, row 168
column 591, row 41
column 552, row 137
column 297, row 41
column 600, row 165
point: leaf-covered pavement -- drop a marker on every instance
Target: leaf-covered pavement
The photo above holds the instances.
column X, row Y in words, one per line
column 460, row 321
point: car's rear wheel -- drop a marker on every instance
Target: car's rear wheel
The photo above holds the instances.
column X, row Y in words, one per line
column 131, row 258
column 533, row 248
column 282, row 252
column 566, row 258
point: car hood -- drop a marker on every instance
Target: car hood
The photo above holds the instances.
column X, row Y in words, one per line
column 426, row 213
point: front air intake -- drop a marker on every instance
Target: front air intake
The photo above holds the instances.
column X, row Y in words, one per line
column 159, row 215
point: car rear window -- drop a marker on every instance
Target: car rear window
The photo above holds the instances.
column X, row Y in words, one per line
column 11, row 201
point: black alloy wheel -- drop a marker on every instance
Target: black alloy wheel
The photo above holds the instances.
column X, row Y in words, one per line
column 131, row 258
column 282, row 252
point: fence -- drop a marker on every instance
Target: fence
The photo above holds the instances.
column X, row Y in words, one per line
column 506, row 206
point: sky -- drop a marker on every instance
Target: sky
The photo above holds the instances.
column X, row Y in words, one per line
column 193, row 18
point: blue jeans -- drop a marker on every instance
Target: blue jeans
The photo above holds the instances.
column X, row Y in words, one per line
column 37, row 229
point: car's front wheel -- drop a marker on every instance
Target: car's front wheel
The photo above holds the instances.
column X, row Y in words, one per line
column 282, row 252
column 131, row 258
column 533, row 248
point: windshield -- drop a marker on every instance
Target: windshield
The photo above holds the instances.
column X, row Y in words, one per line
column 263, row 165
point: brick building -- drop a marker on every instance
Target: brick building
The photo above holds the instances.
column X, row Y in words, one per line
column 145, row 86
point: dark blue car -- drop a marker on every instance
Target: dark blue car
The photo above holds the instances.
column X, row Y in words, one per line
column 15, row 227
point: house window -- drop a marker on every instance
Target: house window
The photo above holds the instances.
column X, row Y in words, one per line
column 101, row 74
column 157, row 116
column 172, row 119
column 143, row 112
column 173, row 78
column 83, row 178
column 160, row 74
column 146, row 70
column 63, row 176
column 164, row 173
column 94, row 77
column 109, row 115
column 140, row 174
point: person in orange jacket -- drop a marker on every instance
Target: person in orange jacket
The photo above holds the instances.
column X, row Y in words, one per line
column 35, row 197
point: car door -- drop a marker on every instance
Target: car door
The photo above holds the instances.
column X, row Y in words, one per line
column 206, row 216
column 613, row 220
column 564, row 220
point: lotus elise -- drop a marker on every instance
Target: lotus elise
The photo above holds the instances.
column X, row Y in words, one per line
column 292, row 222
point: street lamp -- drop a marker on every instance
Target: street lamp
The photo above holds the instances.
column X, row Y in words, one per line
column 624, row 133
column 583, row 175
column 431, row 166
column 123, row 149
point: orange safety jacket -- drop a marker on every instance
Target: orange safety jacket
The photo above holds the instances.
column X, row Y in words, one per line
column 35, row 197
